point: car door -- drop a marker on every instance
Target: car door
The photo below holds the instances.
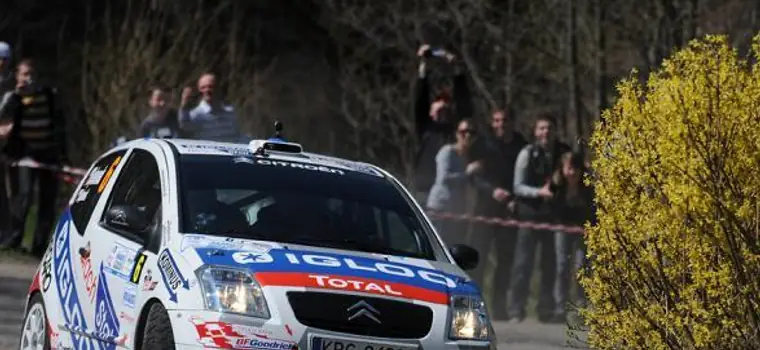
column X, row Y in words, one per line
column 120, row 241
column 73, row 248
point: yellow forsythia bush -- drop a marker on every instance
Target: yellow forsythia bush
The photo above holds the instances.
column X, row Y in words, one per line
column 676, row 252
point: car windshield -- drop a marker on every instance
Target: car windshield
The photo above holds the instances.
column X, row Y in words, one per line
column 299, row 203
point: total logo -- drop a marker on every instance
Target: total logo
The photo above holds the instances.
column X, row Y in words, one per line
column 350, row 263
column 362, row 286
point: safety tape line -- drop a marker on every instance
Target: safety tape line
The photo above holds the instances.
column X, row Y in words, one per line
column 31, row 163
column 506, row 222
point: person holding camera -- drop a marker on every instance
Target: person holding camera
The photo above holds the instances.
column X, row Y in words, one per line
column 436, row 118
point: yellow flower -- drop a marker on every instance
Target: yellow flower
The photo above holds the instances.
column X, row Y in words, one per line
column 676, row 253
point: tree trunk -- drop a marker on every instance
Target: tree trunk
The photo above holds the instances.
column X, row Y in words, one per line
column 574, row 94
column 602, row 80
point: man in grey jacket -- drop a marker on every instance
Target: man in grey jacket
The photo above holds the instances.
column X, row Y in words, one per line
column 533, row 170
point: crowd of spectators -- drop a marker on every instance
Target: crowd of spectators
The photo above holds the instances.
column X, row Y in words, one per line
column 464, row 165
column 533, row 178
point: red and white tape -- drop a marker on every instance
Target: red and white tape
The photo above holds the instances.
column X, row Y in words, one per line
column 31, row 163
column 506, row 222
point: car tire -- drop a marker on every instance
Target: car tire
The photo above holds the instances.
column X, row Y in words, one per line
column 158, row 330
column 34, row 331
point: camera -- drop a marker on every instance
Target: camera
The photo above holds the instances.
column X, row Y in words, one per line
column 435, row 53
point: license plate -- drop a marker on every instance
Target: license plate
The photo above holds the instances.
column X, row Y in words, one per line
column 318, row 343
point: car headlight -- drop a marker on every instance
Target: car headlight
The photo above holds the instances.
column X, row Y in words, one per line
column 233, row 291
column 469, row 318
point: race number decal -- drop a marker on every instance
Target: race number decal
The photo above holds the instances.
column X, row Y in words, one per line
column 137, row 269
column 47, row 261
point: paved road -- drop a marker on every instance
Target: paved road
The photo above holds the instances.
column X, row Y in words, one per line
column 15, row 277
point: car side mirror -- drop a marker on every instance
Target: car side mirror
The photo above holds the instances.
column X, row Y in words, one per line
column 465, row 256
column 127, row 218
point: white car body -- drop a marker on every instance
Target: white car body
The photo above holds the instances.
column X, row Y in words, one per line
column 97, row 283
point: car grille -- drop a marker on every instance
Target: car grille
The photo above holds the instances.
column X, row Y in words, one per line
column 333, row 312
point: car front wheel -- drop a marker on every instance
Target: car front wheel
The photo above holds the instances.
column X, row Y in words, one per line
column 34, row 335
column 158, row 333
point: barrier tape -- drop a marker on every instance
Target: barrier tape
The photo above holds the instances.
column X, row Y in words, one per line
column 66, row 173
column 506, row 222
column 31, row 163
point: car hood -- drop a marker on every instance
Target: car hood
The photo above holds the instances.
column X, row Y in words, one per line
column 291, row 265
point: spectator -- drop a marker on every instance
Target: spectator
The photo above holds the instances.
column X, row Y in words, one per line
column 6, row 90
column 37, row 131
column 574, row 204
column 436, row 120
column 162, row 121
column 211, row 119
column 533, row 170
column 447, row 192
column 498, row 152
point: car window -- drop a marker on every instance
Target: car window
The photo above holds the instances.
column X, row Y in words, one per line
column 138, row 186
column 89, row 193
column 301, row 205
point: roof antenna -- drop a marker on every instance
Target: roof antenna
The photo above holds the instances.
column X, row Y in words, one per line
column 278, row 132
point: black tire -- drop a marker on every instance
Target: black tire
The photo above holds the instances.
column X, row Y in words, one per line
column 36, row 300
column 158, row 333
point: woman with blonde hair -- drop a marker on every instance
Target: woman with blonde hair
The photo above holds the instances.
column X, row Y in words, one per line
column 574, row 206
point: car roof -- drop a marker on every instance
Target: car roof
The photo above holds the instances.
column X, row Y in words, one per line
column 226, row 149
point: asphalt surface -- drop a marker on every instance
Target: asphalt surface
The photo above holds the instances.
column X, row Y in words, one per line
column 16, row 273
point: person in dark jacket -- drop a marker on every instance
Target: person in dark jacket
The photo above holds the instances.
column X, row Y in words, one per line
column 162, row 121
column 532, row 180
column 38, row 131
column 436, row 119
column 497, row 151
column 574, row 206
column 7, row 85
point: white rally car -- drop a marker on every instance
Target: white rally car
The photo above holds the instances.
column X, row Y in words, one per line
column 193, row 245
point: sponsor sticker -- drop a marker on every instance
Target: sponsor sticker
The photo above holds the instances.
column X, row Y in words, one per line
column 202, row 241
column 95, row 177
column 211, row 149
column 305, row 166
column 120, row 261
column 148, row 283
column 108, row 174
column 106, row 319
column 82, row 195
column 171, row 274
column 280, row 267
column 67, row 292
column 126, row 317
column 90, row 279
column 130, row 296
column 230, row 336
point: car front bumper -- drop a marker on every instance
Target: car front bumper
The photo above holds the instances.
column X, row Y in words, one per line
column 195, row 329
